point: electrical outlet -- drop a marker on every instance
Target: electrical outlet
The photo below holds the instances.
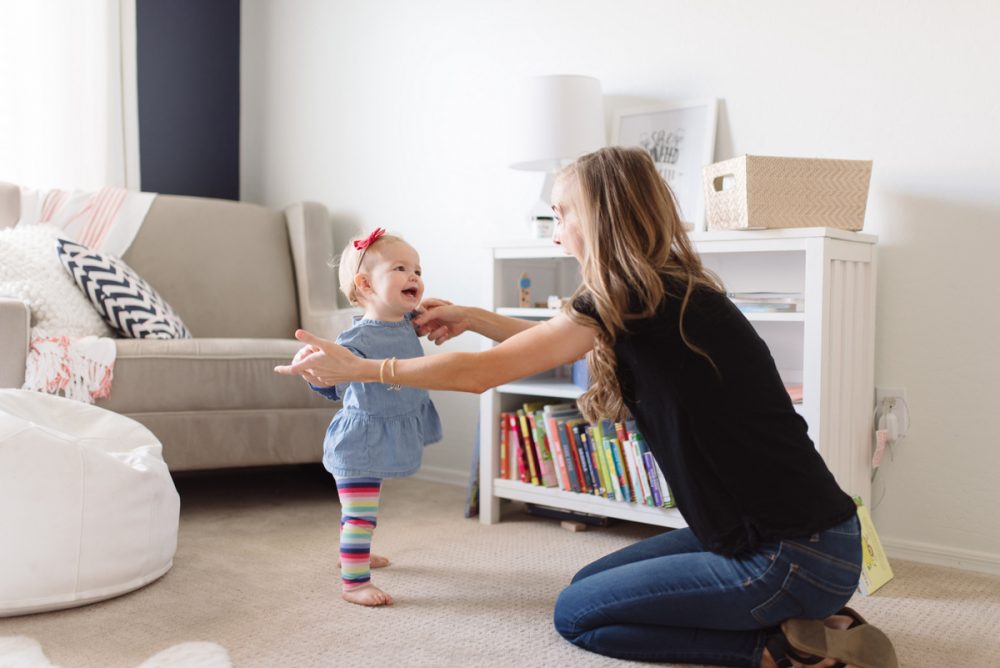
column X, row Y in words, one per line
column 897, row 405
column 889, row 393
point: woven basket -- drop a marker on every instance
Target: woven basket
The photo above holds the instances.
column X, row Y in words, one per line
column 755, row 192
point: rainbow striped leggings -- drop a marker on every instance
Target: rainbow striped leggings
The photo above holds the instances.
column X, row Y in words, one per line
column 359, row 511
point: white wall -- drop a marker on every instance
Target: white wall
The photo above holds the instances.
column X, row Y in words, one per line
column 393, row 113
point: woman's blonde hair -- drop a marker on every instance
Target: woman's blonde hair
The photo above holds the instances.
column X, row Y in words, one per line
column 632, row 238
column 351, row 260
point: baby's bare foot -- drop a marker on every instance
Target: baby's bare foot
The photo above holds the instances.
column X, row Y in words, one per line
column 376, row 561
column 370, row 595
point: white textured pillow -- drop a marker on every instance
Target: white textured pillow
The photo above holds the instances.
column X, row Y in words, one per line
column 30, row 271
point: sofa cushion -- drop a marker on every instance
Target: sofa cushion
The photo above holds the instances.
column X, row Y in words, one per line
column 154, row 376
column 225, row 267
column 126, row 302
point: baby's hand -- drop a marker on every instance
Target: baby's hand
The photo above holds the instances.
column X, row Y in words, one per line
column 307, row 374
column 304, row 352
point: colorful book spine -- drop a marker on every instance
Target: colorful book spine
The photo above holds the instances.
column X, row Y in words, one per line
column 579, row 436
column 668, row 501
column 631, row 484
column 529, row 448
column 614, row 491
column 595, row 463
column 548, row 469
column 504, row 447
column 569, row 453
column 635, row 487
column 577, row 463
column 644, row 489
column 555, row 446
column 654, row 481
column 620, row 484
column 518, row 451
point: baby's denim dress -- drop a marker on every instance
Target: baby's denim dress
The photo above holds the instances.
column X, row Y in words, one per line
column 379, row 433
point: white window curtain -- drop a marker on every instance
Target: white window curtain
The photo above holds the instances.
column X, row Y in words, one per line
column 68, row 105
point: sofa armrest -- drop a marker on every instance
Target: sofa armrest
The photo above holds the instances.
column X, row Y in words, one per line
column 310, row 233
column 15, row 329
column 10, row 204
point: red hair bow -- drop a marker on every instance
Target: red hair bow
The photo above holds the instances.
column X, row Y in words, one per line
column 361, row 244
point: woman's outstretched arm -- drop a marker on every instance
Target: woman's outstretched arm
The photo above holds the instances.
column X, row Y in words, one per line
column 441, row 320
column 533, row 350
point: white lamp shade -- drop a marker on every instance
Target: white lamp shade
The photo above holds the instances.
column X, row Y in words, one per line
column 557, row 118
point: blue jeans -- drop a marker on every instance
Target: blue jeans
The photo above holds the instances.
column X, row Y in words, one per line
column 668, row 599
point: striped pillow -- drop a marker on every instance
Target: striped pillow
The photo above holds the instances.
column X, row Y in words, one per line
column 126, row 302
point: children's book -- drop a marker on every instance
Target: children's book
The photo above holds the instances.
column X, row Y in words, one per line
column 547, row 469
column 575, row 453
column 528, row 445
column 619, row 481
column 549, row 413
column 517, row 451
column 875, row 568
column 504, row 446
column 578, row 433
column 632, row 483
column 569, row 453
column 640, row 465
column 654, row 479
column 596, row 463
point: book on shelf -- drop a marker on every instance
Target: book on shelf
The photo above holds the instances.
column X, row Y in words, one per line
column 549, row 414
column 596, row 459
column 504, row 447
column 794, row 392
column 546, row 467
column 575, row 428
column 531, row 453
column 579, row 431
column 557, row 425
column 517, row 451
column 618, row 482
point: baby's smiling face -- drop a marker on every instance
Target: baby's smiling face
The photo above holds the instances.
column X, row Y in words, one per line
column 394, row 284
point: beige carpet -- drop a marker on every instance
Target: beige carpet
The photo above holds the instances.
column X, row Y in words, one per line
column 255, row 574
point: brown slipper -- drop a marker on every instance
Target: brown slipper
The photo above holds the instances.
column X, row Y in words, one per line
column 861, row 645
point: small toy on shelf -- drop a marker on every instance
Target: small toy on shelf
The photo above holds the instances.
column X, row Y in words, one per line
column 524, row 283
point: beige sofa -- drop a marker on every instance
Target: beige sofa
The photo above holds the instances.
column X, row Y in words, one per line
column 243, row 278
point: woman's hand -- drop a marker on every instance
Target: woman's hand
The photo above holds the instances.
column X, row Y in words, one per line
column 440, row 320
column 323, row 363
column 308, row 374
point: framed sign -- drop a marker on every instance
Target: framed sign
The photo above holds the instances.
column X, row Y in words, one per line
column 680, row 137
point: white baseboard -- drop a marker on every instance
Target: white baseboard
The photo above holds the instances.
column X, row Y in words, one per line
column 939, row 555
column 442, row 475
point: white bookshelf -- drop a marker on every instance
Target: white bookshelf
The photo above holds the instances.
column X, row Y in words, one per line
column 828, row 347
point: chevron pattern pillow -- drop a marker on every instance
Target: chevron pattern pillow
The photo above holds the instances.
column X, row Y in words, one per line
column 126, row 302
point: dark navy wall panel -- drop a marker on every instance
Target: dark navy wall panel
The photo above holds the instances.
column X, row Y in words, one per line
column 189, row 96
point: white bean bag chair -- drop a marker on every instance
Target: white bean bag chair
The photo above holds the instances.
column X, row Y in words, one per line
column 87, row 506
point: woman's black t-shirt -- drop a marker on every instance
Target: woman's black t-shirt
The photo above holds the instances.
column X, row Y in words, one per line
column 736, row 455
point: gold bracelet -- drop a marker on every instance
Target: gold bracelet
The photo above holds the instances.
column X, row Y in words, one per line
column 392, row 372
column 381, row 371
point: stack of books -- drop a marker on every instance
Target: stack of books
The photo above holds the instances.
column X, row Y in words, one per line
column 551, row 445
column 768, row 302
